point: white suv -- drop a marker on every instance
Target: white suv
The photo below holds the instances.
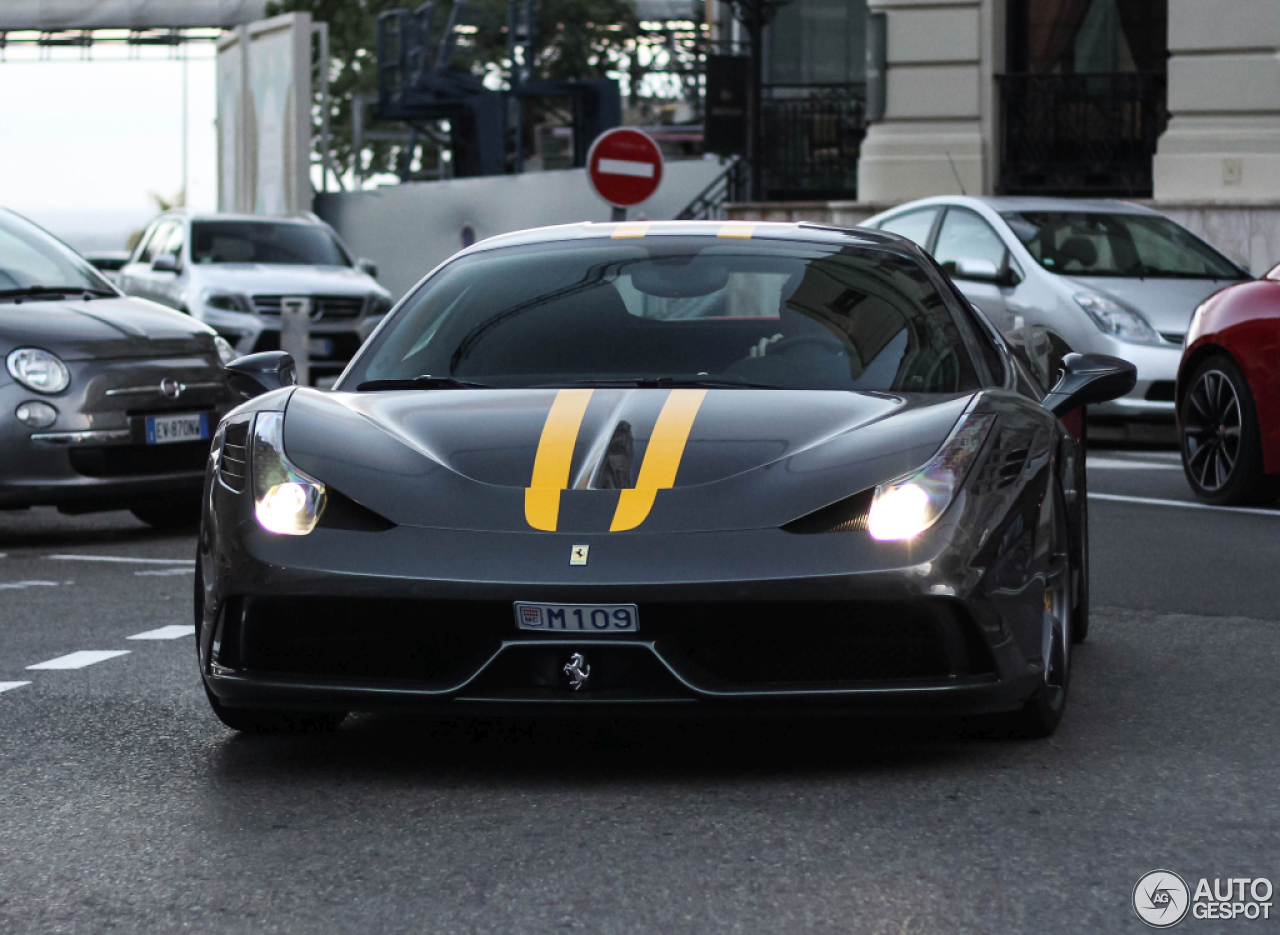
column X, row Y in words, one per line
column 232, row 271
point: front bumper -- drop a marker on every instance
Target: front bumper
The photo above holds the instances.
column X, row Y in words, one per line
column 347, row 621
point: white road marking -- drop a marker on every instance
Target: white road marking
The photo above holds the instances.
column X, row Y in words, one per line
column 20, row 585
column 639, row 170
column 78, row 660
column 167, row 571
column 121, row 558
column 1185, row 504
column 172, row 632
column 8, row 686
column 1121, row 465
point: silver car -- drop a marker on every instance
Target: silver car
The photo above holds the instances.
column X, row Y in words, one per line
column 106, row 401
column 233, row 272
column 1108, row 277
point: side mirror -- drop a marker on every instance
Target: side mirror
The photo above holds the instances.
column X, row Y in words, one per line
column 261, row 373
column 1090, row 378
column 982, row 272
column 165, row 263
column 367, row 266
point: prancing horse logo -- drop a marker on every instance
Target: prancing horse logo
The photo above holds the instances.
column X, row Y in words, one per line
column 578, row 554
column 577, row 670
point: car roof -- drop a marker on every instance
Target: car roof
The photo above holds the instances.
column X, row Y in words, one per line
column 309, row 220
column 1006, row 203
column 731, row 230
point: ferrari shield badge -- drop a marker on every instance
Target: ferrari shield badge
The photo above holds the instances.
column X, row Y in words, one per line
column 578, row 554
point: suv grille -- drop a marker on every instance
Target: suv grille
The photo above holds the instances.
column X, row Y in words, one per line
column 323, row 307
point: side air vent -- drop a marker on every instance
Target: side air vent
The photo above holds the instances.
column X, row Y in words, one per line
column 233, row 466
column 847, row 515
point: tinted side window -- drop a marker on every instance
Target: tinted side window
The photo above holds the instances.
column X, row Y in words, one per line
column 914, row 225
column 965, row 236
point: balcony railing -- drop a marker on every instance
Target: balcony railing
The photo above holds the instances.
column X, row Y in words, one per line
column 1086, row 134
column 812, row 136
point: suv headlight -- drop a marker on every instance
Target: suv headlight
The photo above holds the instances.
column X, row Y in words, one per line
column 226, row 353
column 904, row 508
column 38, row 370
column 285, row 499
column 380, row 305
column 226, row 301
column 1113, row 318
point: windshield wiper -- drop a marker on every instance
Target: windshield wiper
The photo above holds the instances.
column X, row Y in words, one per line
column 665, row 382
column 36, row 291
column 424, row 382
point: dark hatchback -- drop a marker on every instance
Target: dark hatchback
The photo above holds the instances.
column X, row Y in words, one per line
column 106, row 402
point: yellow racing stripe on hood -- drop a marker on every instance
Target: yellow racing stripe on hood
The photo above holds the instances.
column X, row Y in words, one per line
column 741, row 229
column 629, row 229
column 661, row 458
column 555, row 455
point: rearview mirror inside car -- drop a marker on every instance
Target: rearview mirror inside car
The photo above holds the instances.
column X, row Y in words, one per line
column 165, row 263
column 261, row 373
column 1090, row 378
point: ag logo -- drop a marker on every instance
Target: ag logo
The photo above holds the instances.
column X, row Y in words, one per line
column 1161, row 899
column 578, row 554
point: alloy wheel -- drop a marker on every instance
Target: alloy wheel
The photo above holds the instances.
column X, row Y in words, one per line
column 1211, row 430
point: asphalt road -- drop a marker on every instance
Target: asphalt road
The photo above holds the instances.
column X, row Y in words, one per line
column 125, row 807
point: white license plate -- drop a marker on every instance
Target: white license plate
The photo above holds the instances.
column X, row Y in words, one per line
column 320, row 347
column 578, row 618
column 164, row 430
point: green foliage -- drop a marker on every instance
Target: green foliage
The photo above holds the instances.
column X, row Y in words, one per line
column 575, row 39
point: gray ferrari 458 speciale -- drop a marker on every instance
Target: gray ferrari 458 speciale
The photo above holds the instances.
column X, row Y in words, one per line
column 668, row 468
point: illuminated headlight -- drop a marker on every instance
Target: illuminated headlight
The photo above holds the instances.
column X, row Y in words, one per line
column 38, row 370
column 285, row 499
column 904, row 508
column 36, row 414
column 226, row 301
column 1113, row 318
column 226, row 353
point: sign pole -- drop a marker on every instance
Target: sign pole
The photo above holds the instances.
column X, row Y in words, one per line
column 619, row 215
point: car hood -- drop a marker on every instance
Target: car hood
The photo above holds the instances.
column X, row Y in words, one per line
column 76, row 329
column 462, row 459
column 285, row 279
column 1166, row 303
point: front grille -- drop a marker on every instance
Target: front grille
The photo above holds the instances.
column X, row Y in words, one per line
column 1173, row 337
column 323, row 307
column 370, row 640
column 833, row 643
column 233, row 465
column 1160, row 391
column 140, row 460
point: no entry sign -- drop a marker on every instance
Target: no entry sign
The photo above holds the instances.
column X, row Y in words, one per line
column 625, row 166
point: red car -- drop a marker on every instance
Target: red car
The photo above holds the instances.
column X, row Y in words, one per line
column 1228, row 394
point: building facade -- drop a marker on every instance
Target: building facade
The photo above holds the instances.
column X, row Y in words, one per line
column 1176, row 102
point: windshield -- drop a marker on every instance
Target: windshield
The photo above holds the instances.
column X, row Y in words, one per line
column 265, row 242
column 31, row 258
column 796, row 316
column 1130, row 245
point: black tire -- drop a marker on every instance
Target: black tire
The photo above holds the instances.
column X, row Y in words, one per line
column 1043, row 711
column 1219, row 437
column 1080, row 612
column 180, row 515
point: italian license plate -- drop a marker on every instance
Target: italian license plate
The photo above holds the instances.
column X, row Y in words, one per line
column 578, row 618
column 164, row 430
column 320, row 347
